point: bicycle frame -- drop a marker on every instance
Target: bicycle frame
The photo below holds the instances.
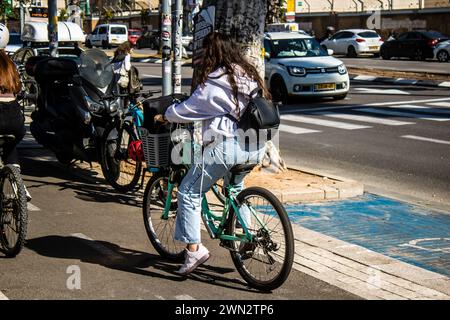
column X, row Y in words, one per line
column 217, row 232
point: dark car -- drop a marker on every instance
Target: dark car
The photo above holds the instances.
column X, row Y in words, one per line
column 149, row 39
column 134, row 35
column 417, row 45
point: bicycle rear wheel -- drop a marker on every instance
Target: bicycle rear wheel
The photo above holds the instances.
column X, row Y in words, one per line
column 121, row 172
column 266, row 262
column 13, row 211
column 161, row 231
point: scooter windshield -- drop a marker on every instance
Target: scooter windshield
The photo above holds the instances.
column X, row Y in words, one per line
column 96, row 68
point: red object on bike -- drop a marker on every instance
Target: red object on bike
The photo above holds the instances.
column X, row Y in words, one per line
column 135, row 151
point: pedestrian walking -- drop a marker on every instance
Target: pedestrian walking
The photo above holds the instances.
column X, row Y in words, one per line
column 226, row 82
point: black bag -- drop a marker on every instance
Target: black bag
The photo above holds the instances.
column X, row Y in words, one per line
column 260, row 114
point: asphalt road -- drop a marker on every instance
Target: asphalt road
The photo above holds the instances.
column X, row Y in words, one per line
column 375, row 152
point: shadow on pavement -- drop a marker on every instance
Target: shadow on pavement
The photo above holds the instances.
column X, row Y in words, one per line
column 85, row 190
column 128, row 260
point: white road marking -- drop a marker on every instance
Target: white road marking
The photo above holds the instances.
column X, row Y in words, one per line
column 364, row 78
column 3, row 297
column 355, row 117
column 439, row 104
column 421, row 108
column 405, row 102
column 151, row 76
column 404, row 114
column 426, row 139
column 32, row 207
column 382, row 91
column 320, row 122
column 376, row 104
column 445, row 84
column 98, row 247
column 295, row 130
column 184, row 297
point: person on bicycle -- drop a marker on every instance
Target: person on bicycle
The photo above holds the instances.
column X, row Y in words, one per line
column 12, row 120
column 226, row 81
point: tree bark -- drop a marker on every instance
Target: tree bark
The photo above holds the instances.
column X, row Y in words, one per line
column 244, row 21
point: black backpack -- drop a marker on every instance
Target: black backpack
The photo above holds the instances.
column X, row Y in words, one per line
column 260, row 114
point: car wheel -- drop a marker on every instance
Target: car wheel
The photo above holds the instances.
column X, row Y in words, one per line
column 104, row 44
column 190, row 46
column 385, row 55
column 443, row 56
column 88, row 44
column 278, row 90
column 376, row 55
column 418, row 55
column 351, row 52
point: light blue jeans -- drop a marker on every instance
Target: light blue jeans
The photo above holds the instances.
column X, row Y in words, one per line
column 218, row 159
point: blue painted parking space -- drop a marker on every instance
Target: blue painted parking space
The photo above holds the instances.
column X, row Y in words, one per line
column 396, row 229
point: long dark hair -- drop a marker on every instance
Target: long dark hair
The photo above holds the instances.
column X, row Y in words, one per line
column 220, row 51
column 123, row 49
column 9, row 76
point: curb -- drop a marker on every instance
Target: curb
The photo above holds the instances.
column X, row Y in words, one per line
column 402, row 81
column 345, row 188
column 333, row 189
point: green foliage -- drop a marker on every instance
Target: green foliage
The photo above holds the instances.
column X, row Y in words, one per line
column 108, row 15
column 63, row 15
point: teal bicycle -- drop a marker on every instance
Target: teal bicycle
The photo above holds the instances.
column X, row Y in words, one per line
column 252, row 224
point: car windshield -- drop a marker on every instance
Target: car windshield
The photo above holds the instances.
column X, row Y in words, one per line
column 368, row 34
column 288, row 48
column 435, row 35
column 118, row 30
column 14, row 39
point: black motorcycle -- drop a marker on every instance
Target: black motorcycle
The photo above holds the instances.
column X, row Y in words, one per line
column 78, row 98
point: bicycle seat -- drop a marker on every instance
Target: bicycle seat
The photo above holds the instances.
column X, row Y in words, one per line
column 242, row 168
column 6, row 137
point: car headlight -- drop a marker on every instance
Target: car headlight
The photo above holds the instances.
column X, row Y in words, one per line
column 297, row 71
column 93, row 106
column 342, row 69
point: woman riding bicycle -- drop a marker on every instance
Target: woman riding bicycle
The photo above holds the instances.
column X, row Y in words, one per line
column 226, row 81
column 11, row 117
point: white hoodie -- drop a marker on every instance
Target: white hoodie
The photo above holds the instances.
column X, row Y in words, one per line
column 213, row 101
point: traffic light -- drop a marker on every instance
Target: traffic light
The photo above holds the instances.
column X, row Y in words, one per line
column 8, row 7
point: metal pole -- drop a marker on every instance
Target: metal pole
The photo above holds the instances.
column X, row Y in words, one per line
column 53, row 27
column 166, row 37
column 178, row 46
column 22, row 16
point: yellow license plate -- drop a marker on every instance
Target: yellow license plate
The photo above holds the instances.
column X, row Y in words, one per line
column 325, row 86
column 374, row 47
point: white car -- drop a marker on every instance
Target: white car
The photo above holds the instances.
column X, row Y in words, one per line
column 14, row 44
column 107, row 35
column 442, row 51
column 296, row 65
column 353, row 42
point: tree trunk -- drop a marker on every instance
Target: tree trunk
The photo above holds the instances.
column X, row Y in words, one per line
column 244, row 21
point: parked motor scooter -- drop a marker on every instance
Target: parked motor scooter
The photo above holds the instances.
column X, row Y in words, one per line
column 76, row 101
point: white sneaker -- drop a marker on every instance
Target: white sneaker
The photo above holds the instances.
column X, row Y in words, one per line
column 193, row 260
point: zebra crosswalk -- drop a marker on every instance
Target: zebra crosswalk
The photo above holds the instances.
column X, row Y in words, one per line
column 365, row 116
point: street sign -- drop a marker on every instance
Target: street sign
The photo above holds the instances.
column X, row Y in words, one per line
column 204, row 24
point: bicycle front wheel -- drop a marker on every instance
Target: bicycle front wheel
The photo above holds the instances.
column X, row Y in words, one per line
column 121, row 172
column 159, row 230
column 264, row 263
column 13, row 211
